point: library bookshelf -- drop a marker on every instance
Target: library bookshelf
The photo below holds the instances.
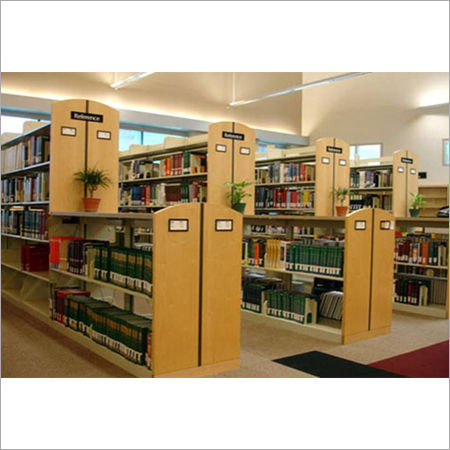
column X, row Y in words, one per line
column 436, row 196
column 195, row 319
column 366, row 278
column 385, row 183
column 437, row 276
column 191, row 169
column 301, row 180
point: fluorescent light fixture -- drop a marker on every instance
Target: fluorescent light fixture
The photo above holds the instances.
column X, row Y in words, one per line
column 300, row 87
column 131, row 79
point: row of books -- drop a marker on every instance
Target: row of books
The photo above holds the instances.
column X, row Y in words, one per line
column 35, row 150
column 253, row 289
column 370, row 178
column 163, row 194
column 30, row 222
column 382, row 201
column 331, row 305
column 279, row 172
column 121, row 331
column 288, row 198
column 126, row 267
column 412, row 292
column 31, row 188
column 291, row 305
column 34, row 257
column 177, row 164
column 280, row 230
column 320, row 256
column 421, row 250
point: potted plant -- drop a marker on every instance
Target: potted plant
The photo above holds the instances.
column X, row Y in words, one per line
column 340, row 194
column 92, row 178
column 237, row 194
column 417, row 202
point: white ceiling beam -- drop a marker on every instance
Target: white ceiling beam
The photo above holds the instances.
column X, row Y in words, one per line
column 300, row 87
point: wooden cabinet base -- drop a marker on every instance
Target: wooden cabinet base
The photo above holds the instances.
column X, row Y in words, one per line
column 204, row 371
column 348, row 339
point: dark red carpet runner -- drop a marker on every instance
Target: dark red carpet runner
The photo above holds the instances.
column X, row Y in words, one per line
column 427, row 362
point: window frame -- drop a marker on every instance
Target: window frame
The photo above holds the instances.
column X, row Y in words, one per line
column 444, row 140
column 368, row 143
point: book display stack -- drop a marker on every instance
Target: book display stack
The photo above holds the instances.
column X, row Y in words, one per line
column 385, row 183
column 25, row 222
column 344, row 275
column 187, row 170
column 300, row 181
column 421, row 262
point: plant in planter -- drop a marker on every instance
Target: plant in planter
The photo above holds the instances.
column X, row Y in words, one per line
column 340, row 194
column 92, row 179
column 237, row 194
column 417, row 202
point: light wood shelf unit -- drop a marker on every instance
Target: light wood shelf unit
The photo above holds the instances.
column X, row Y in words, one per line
column 229, row 148
column 403, row 166
column 330, row 157
column 24, row 238
column 421, row 224
column 368, row 272
column 436, row 196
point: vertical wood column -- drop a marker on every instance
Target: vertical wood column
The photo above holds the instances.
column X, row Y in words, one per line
column 221, row 285
column 176, row 283
column 368, row 274
column 332, row 172
column 405, row 181
column 84, row 134
column 357, row 275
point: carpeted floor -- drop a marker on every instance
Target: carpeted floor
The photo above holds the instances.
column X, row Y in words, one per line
column 428, row 362
column 32, row 349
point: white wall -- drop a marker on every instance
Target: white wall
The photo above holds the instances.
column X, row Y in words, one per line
column 389, row 108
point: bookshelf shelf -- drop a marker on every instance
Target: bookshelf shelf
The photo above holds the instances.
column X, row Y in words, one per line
column 16, row 236
column 419, row 277
column 437, row 311
column 318, row 331
column 161, row 179
column 40, row 313
column 420, row 265
column 112, row 216
column 102, row 283
column 291, row 272
column 374, row 189
column 46, row 202
column 43, row 276
column 291, row 183
column 33, row 168
column 16, row 140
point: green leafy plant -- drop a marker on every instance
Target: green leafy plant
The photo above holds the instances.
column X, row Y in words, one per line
column 92, row 178
column 238, row 193
column 340, row 194
column 418, row 201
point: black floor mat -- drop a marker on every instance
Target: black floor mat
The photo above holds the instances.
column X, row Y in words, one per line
column 327, row 366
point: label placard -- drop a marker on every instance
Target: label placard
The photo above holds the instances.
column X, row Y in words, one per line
column 342, row 162
column 235, row 136
column 386, row 225
column 68, row 131
column 406, row 160
column 400, row 169
column 331, row 149
column 360, row 225
column 325, row 160
column 106, row 135
column 178, row 224
column 221, row 148
column 88, row 117
column 224, row 225
column 244, row 151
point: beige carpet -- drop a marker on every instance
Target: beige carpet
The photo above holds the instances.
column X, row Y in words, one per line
column 32, row 349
